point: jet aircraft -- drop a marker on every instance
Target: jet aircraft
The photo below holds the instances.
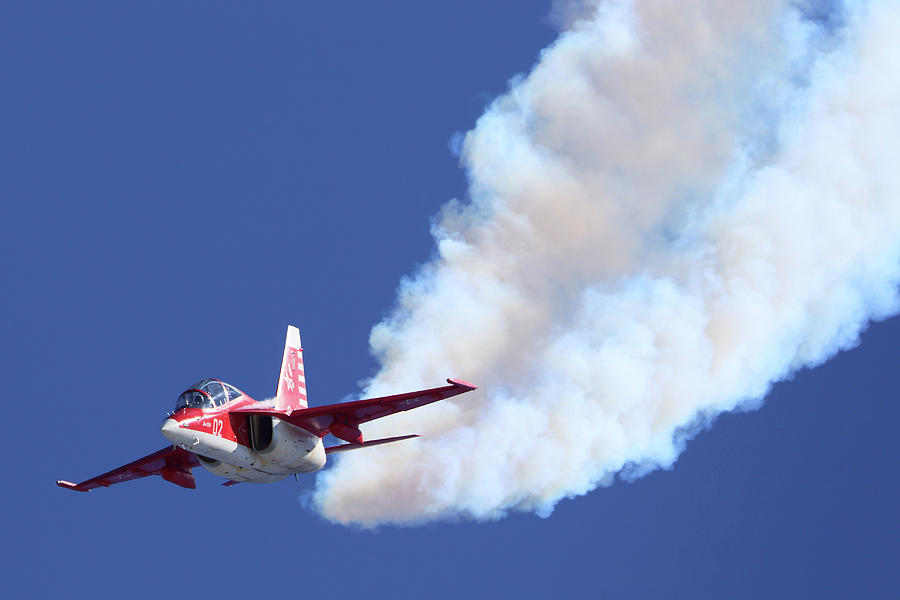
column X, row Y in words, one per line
column 232, row 435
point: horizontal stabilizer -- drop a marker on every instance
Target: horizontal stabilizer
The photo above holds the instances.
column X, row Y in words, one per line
column 345, row 447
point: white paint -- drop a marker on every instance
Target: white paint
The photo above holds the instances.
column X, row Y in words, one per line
column 235, row 473
column 293, row 337
column 293, row 451
column 291, row 391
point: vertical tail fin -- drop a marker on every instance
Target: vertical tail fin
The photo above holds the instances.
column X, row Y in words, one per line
column 291, row 393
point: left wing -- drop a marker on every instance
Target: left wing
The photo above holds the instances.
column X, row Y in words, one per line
column 342, row 420
column 171, row 463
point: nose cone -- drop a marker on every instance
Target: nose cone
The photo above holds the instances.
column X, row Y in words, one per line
column 172, row 431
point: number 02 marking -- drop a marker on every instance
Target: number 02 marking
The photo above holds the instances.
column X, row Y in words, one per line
column 218, row 425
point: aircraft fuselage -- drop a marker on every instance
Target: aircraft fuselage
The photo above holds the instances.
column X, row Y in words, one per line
column 256, row 449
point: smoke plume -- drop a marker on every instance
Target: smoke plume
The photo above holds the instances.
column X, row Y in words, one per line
column 682, row 203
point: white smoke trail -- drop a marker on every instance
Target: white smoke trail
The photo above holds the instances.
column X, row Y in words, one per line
column 681, row 204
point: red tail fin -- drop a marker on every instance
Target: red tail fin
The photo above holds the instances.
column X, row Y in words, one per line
column 291, row 393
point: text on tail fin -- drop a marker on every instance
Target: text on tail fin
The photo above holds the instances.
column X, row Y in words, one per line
column 291, row 392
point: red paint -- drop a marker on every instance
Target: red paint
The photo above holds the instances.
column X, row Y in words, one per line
column 184, row 414
column 321, row 419
column 176, row 475
column 220, row 421
column 348, row 433
column 369, row 444
column 171, row 460
column 230, row 421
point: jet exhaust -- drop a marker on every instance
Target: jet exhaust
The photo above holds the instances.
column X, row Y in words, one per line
column 681, row 204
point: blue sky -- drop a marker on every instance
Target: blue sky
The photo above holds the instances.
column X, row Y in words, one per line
column 180, row 182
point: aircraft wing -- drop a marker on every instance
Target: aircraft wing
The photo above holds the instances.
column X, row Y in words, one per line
column 322, row 420
column 171, row 463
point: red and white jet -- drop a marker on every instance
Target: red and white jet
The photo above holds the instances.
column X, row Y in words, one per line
column 234, row 436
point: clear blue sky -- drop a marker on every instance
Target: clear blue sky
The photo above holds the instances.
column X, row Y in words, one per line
column 179, row 181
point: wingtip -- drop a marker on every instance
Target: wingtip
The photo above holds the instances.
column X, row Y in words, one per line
column 461, row 383
column 68, row 485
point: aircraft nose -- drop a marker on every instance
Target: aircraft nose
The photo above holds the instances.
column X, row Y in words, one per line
column 170, row 429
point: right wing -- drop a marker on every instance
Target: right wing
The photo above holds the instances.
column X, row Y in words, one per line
column 342, row 420
column 171, row 463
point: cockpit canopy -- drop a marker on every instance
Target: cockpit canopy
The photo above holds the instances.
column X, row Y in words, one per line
column 207, row 393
